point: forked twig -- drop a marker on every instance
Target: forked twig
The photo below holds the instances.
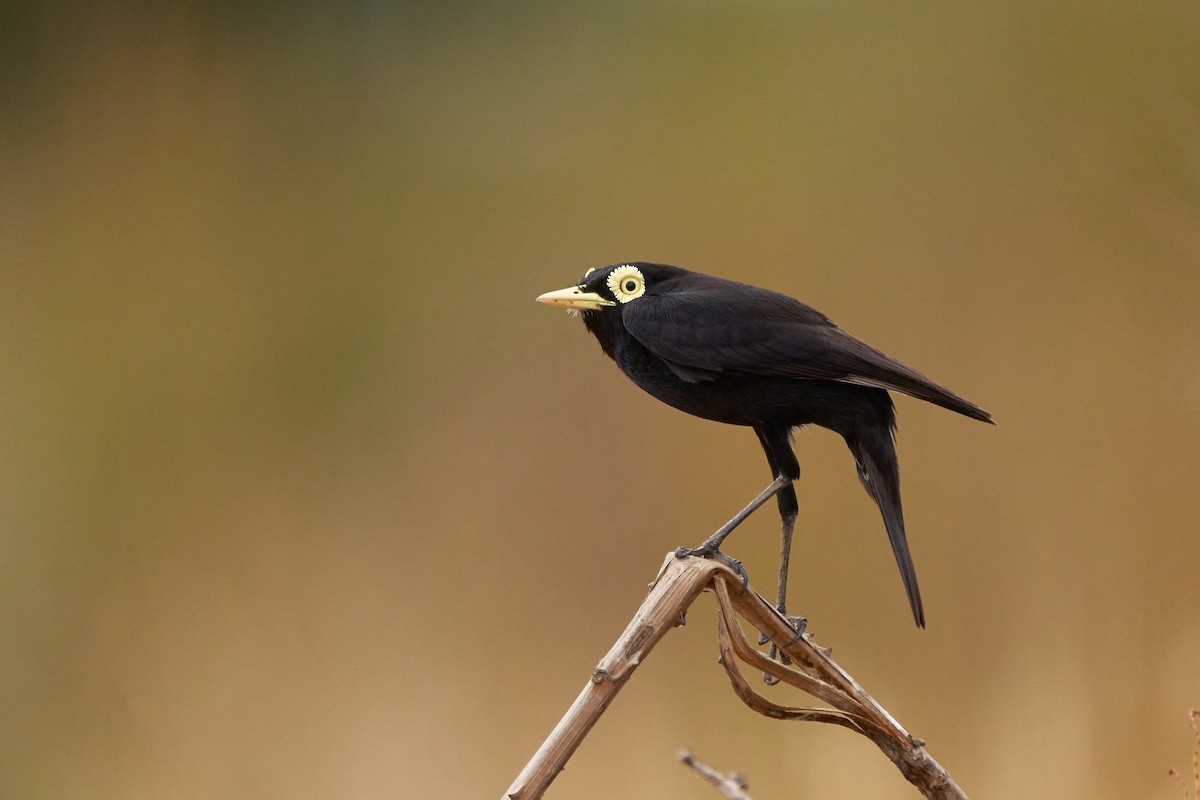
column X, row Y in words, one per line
column 679, row 581
column 733, row 786
column 733, row 645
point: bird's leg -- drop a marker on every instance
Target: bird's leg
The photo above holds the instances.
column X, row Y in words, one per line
column 785, row 552
column 776, row 445
column 713, row 543
column 711, row 547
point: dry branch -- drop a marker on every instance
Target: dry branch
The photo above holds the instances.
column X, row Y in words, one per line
column 679, row 582
column 733, row 786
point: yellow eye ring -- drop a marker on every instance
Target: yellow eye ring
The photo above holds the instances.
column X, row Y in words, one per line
column 626, row 282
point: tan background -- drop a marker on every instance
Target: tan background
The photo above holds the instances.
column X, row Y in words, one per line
column 303, row 496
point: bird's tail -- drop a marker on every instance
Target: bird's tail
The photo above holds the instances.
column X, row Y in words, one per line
column 916, row 385
column 879, row 471
column 872, row 367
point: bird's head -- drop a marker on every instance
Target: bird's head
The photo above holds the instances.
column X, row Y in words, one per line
column 605, row 292
column 607, row 289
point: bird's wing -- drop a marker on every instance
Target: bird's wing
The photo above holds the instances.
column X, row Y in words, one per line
column 740, row 333
column 705, row 334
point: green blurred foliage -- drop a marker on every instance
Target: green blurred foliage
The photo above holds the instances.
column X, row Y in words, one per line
column 301, row 495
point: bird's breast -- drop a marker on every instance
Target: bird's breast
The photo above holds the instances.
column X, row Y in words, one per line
column 723, row 398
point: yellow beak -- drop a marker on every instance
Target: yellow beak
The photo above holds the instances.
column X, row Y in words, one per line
column 574, row 297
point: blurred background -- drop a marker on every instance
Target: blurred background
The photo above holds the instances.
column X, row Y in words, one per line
column 303, row 496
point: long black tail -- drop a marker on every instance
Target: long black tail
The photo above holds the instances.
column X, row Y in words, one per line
column 879, row 471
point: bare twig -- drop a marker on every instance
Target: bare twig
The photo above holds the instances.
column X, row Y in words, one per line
column 733, row 785
column 679, row 581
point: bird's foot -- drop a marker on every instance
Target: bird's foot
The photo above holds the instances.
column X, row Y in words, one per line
column 709, row 551
column 797, row 624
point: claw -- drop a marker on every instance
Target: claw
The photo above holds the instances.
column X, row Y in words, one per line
column 734, row 565
column 773, row 653
column 705, row 551
column 798, row 624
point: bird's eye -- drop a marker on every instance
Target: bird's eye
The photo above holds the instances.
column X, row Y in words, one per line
column 626, row 282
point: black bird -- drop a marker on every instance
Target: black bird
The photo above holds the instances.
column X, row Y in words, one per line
column 738, row 354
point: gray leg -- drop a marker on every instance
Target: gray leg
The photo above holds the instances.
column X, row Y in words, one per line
column 785, row 554
column 713, row 543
